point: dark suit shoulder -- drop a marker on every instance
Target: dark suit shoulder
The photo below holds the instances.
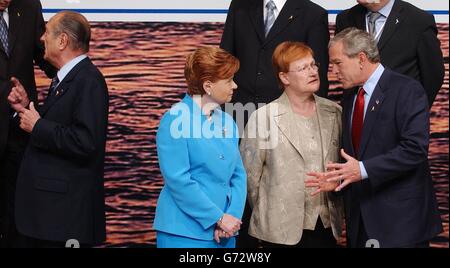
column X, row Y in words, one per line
column 420, row 18
column 415, row 11
column 313, row 7
column 400, row 82
column 26, row 4
column 90, row 71
column 239, row 4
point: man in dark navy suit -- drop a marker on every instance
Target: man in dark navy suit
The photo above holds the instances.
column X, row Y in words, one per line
column 60, row 192
column 386, row 182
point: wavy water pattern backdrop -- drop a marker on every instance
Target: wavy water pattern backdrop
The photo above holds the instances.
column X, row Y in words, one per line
column 143, row 65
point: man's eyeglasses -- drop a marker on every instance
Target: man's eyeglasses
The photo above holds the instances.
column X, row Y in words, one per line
column 313, row 66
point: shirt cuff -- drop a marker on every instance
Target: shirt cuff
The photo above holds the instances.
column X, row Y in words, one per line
column 363, row 171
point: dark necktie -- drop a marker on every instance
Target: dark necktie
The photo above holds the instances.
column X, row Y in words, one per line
column 357, row 120
column 4, row 34
column 52, row 90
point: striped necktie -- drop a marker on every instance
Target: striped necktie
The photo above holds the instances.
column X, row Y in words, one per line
column 4, row 34
column 373, row 17
column 270, row 18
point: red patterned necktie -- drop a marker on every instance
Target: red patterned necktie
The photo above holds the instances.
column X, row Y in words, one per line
column 357, row 120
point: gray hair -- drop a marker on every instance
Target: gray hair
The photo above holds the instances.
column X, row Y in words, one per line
column 76, row 27
column 356, row 41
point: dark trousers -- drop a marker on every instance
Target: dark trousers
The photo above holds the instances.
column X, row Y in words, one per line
column 362, row 238
column 9, row 168
column 320, row 237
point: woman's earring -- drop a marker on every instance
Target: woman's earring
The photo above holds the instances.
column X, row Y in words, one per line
column 209, row 93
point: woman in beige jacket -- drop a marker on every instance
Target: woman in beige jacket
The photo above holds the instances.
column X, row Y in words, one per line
column 289, row 137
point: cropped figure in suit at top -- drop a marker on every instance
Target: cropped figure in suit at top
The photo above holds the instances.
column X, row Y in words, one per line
column 304, row 134
column 386, row 181
column 254, row 28
column 406, row 37
column 204, row 191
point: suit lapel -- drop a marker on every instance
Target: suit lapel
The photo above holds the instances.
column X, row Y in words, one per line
column 63, row 86
column 287, row 124
column 15, row 24
column 360, row 18
column 393, row 22
column 326, row 118
column 256, row 13
column 347, row 105
column 291, row 10
column 372, row 112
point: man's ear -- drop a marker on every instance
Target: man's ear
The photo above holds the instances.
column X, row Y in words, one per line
column 63, row 41
column 363, row 59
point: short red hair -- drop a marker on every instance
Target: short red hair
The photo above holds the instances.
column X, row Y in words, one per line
column 286, row 53
column 208, row 64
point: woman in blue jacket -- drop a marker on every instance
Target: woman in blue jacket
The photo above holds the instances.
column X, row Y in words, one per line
column 204, row 191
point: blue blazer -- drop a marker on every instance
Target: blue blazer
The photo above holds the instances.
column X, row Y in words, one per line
column 397, row 201
column 202, row 168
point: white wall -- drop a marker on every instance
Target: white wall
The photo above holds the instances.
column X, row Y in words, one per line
column 193, row 10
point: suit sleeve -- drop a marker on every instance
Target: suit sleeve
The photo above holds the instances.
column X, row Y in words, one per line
column 431, row 62
column 85, row 135
column 253, row 157
column 337, row 196
column 413, row 122
column 39, row 51
column 174, row 163
column 227, row 42
column 238, row 185
column 318, row 38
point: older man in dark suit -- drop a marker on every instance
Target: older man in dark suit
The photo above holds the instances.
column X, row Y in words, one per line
column 406, row 36
column 21, row 26
column 60, row 192
column 386, row 181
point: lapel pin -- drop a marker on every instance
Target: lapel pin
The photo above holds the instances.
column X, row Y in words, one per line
column 396, row 21
column 377, row 102
column 18, row 14
column 373, row 109
column 291, row 17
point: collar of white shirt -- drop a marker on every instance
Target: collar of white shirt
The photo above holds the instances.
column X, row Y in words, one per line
column 69, row 66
